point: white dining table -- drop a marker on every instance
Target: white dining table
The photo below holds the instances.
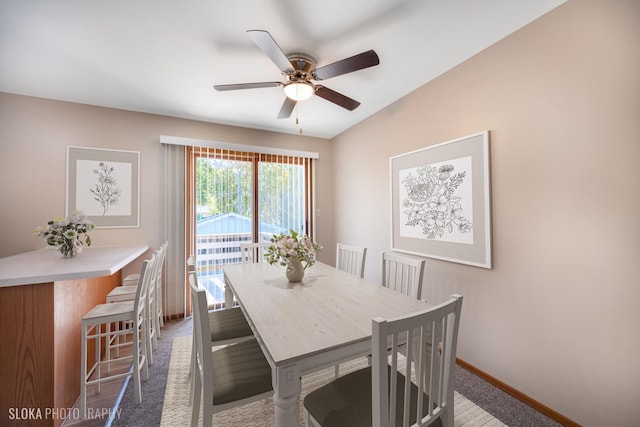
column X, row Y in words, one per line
column 306, row 326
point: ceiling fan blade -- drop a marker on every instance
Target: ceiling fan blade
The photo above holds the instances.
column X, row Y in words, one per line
column 247, row 85
column 357, row 62
column 336, row 98
column 287, row 107
column 268, row 45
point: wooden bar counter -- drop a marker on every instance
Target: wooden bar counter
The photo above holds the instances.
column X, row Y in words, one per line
column 42, row 300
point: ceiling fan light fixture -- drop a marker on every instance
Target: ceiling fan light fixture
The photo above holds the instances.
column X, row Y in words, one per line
column 299, row 90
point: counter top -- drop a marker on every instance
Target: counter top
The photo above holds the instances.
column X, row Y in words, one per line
column 45, row 265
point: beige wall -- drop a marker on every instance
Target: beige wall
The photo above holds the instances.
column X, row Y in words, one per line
column 35, row 133
column 558, row 315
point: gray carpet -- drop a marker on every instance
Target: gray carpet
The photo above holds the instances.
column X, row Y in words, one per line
column 504, row 407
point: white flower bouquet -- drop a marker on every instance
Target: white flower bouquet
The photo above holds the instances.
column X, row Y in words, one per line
column 66, row 234
column 294, row 246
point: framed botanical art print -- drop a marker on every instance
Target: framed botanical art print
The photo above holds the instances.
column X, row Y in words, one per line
column 105, row 185
column 440, row 201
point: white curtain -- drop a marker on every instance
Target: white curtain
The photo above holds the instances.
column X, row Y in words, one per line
column 174, row 230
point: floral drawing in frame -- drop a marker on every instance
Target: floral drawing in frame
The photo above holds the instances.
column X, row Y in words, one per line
column 440, row 200
column 104, row 185
column 107, row 191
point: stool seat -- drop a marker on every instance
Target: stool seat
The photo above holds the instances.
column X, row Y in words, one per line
column 122, row 293
column 131, row 279
column 115, row 312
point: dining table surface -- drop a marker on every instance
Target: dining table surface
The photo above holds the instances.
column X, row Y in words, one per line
column 306, row 326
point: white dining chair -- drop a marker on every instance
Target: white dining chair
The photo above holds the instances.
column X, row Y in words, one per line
column 99, row 325
column 253, row 252
column 351, row 259
column 226, row 326
column 383, row 394
column 403, row 273
column 232, row 376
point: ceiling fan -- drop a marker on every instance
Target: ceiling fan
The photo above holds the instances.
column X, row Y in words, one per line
column 301, row 71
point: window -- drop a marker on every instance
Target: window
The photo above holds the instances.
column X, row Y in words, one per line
column 236, row 197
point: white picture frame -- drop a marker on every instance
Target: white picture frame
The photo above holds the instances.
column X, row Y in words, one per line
column 105, row 185
column 441, row 201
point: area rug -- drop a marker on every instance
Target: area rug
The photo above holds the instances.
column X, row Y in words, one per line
column 176, row 409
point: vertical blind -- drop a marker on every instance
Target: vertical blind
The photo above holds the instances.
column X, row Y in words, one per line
column 173, row 220
column 274, row 190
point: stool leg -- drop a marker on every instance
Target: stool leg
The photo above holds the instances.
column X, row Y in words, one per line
column 153, row 322
column 116, row 338
column 156, row 318
column 146, row 338
column 160, row 311
column 156, row 327
column 83, row 372
column 145, row 353
column 107, row 344
column 97, row 330
column 136, row 367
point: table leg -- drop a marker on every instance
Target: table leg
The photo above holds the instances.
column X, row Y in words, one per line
column 228, row 296
column 286, row 388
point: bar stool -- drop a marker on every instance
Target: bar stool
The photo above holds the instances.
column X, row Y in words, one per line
column 155, row 295
column 134, row 278
column 128, row 293
column 132, row 316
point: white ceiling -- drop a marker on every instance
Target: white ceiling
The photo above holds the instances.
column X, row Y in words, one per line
column 164, row 56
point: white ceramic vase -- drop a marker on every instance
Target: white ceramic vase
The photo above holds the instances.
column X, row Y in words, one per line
column 295, row 270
